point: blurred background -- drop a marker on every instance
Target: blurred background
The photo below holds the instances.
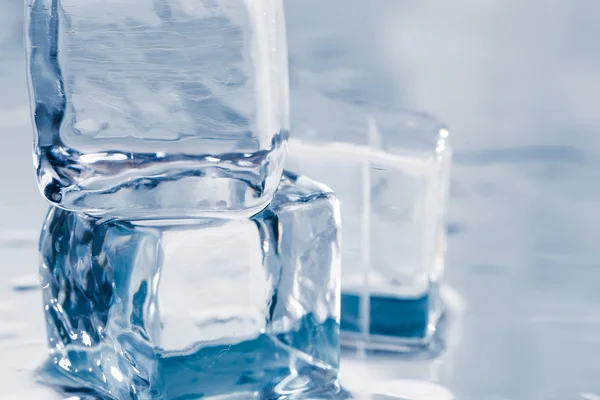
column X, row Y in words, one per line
column 518, row 84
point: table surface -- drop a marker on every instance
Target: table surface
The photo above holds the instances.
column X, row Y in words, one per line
column 519, row 86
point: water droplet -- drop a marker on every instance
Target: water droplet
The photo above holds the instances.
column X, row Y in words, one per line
column 25, row 283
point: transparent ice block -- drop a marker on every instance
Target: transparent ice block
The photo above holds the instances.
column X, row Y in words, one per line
column 197, row 308
column 392, row 192
column 158, row 107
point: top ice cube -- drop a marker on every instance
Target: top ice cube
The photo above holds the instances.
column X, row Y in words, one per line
column 158, row 107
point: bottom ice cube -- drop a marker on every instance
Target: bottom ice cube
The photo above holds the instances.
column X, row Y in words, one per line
column 199, row 308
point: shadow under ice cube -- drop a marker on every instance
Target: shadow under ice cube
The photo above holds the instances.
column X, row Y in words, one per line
column 189, row 309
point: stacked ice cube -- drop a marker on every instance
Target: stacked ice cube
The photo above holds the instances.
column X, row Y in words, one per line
column 178, row 260
column 197, row 307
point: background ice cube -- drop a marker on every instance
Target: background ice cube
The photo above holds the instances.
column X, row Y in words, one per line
column 390, row 208
column 393, row 199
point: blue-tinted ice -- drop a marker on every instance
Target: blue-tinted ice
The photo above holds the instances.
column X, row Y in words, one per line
column 393, row 200
column 139, row 310
column 389, row 167
column 169, row 107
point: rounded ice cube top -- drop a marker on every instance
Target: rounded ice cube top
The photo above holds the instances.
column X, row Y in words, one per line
column 158, row 107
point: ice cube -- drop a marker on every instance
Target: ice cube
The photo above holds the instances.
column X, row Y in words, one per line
column 388, row 167
column 136, row 100
column 392, row 189
column 183, row 308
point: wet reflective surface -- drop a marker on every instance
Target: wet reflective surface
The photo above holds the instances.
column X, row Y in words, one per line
column 517, row 83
